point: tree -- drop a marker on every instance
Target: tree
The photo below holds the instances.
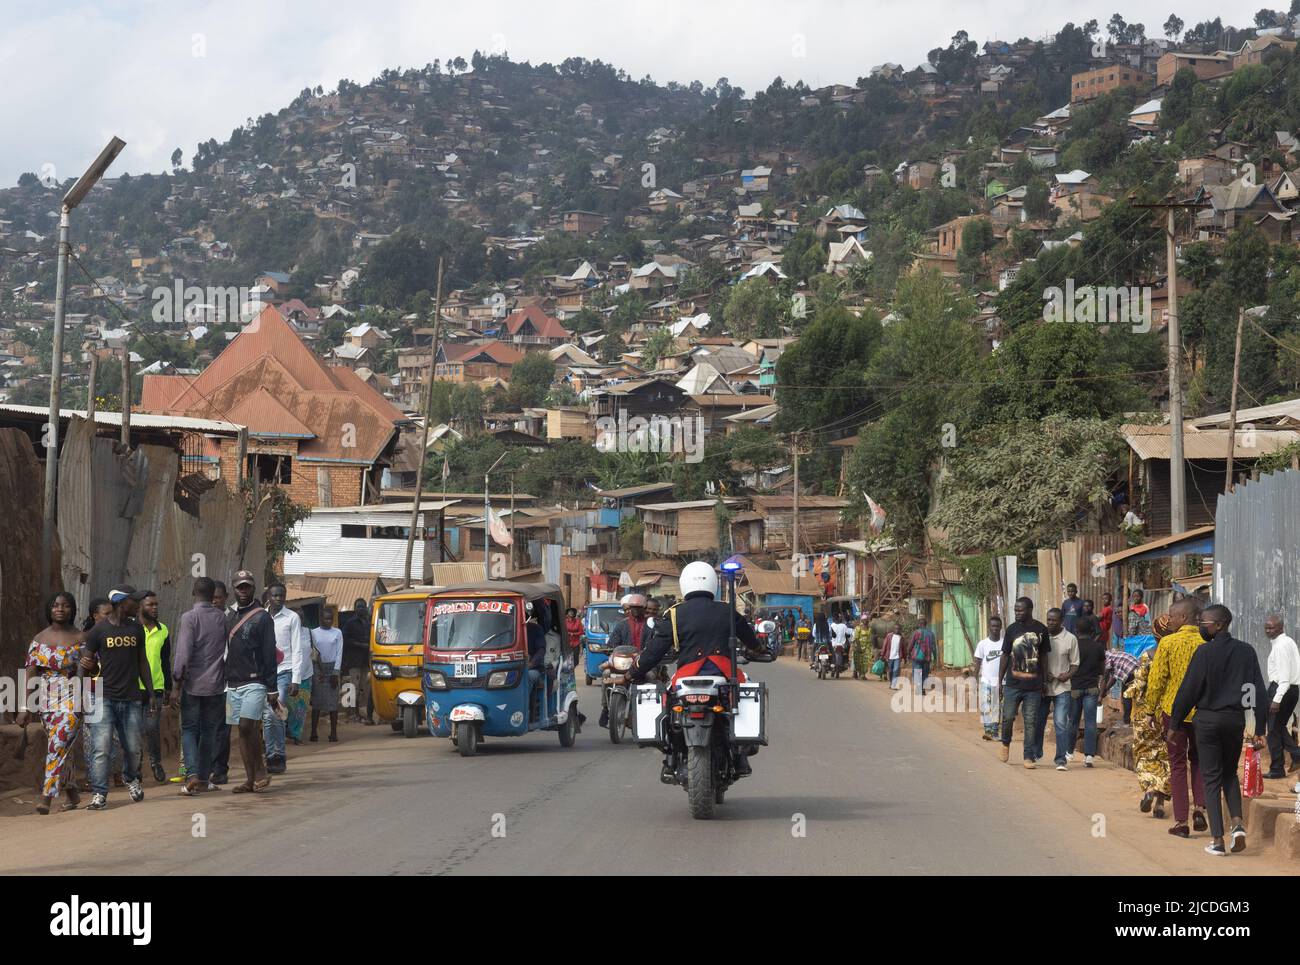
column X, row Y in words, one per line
column 822, row 378
column 177, row 157
column 655, row 347
column 530, row 380
column 1013, row 487
column 753, row 310
column 1173, row 26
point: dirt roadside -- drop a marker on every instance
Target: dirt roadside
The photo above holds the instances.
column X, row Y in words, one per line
column 1105, row 795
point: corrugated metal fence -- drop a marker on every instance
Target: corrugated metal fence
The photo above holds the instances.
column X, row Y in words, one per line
column 1257, row 556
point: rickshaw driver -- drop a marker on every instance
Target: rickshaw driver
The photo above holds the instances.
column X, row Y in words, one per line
column 702, row 627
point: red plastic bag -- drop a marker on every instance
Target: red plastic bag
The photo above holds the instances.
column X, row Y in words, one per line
column 1252, row 774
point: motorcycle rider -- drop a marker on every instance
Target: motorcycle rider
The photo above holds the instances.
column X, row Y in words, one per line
column 840, row 637
column 700, row 626
column 631, row 631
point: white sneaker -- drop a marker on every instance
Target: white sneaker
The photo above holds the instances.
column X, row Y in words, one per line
column 97, row 802
column 136, row 791
column 1069, row 755
column 1061, row 767
column 1087, row 761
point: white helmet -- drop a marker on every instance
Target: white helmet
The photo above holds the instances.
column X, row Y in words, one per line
column 699, row 577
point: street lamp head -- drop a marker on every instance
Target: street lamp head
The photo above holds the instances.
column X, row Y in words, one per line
column 93, row 173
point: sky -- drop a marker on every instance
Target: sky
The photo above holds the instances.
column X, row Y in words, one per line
column 163, row 74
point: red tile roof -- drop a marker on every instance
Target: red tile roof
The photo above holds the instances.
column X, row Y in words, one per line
column 278, row 386
column 543, row 325
column 498, row 352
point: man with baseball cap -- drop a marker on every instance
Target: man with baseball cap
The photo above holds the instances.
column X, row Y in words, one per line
column 117, row 645
column 250, row 678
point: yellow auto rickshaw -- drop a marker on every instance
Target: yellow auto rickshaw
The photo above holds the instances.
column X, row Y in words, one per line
column 397, row 656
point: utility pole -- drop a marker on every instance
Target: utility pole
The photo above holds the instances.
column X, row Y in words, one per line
column 74, row 197
column 487, row 521
column 126, row 394
column 424, row 435
column 794, row 526
column 1232, row 411
column 512, row 520
column 1177, row 472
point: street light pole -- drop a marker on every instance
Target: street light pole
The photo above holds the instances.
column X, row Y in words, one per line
column 487, row 521
column 73, row 198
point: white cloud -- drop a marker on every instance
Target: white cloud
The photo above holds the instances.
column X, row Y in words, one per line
column 76, row 73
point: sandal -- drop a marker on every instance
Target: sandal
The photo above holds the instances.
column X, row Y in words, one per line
column 262, row 785
column 244, row 788
column 44, row 806
column 1145, row 805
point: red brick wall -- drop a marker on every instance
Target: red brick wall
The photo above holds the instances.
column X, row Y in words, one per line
column 345, row 481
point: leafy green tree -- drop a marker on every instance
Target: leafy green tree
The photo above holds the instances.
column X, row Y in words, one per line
column 822, row 378
column 753, row 310
column 530, row 380
column 1013, row 487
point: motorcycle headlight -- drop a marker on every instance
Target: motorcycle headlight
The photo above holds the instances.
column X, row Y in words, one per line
column 499, row 679
column 622, row 662
column 435, row 680
column 381, row 670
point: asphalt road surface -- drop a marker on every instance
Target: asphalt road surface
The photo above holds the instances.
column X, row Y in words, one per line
column 872, row 791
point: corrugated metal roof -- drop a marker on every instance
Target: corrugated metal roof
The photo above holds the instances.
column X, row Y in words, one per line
column 1289, row 409
column 1153, row 442
column 144, row 420
column 431, row 505
column 343, row 590
column 634, row 490
column 764, row 582
column 1164, row 542
column 673, row 507
column 805, row 502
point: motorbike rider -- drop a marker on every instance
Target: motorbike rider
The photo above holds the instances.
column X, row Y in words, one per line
column 840, row 637
column 631, row 631
column 700, row 626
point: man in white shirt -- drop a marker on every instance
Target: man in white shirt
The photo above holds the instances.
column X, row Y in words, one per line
column 1062, row 660
column 1283, row 689
column 892, row 651
column 840, row 637
column 288, row 674
column 988, row 658
column 328, row 642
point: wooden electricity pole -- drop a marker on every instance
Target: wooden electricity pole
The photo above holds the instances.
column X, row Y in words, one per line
column 1177, row 470
column 126, row 394
column 424, row 434
column 794, row 524
column 1232, row 410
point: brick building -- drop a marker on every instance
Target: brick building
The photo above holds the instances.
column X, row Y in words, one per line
column 316, row 430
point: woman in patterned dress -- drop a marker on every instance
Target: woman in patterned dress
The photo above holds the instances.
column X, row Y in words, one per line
column 53, row 655
column 1150, row 752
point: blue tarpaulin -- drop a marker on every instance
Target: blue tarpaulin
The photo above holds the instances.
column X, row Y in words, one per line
column 1139, row 644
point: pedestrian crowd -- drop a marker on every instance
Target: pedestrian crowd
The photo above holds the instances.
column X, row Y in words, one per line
column 1191, row 700
column 246, row 672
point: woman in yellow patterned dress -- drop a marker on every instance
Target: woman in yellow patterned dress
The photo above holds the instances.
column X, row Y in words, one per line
column 53, row 656
column 1150, row 753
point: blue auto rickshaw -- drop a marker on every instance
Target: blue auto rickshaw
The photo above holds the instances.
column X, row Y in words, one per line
column 476, row 680
column 598, row 620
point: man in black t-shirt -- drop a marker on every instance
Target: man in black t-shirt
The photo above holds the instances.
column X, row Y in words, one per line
column 117, row 645
column 1024, row 645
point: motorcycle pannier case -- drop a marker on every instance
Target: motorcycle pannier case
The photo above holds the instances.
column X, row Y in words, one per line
column 749, row 726
column 648, row 714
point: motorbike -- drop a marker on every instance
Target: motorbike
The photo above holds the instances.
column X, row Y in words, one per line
column 616, row 681
column 824, row 660
column 706, row 725
column 703, row 733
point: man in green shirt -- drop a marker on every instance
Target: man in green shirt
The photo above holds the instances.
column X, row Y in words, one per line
column 158, row 649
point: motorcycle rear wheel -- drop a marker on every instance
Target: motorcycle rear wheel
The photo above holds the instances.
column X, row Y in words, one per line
column 617, row 717
column 699, row 782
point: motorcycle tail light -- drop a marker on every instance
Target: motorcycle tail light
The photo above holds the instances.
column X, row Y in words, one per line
column 696, row 698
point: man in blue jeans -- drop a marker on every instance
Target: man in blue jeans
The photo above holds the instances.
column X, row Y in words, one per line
column 1059, row 665
column 1085, row 685
column 1025, row 646
column 117, row 644
column 288, row 674
column 199, row 672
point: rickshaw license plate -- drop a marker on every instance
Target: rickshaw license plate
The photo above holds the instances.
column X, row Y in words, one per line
column 466, row 668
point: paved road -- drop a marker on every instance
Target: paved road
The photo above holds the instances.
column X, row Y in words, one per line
column 880, row 792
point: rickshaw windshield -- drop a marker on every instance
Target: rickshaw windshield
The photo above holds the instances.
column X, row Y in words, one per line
column 399, row 623
column 603, row 619
column 473, row 624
